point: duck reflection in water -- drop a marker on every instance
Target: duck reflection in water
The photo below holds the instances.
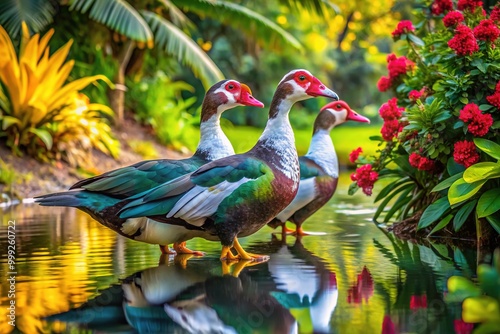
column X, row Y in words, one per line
column 294, row 292
column 181, row 297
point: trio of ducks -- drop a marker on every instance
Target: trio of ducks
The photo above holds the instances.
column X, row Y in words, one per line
column 216, row 194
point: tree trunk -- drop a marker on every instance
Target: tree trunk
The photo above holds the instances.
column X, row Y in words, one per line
column 117, row 95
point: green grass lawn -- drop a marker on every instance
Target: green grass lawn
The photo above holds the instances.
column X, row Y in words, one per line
column 344, row 138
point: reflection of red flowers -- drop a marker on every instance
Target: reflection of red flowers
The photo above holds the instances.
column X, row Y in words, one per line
column 365, row 177
column 362, row 290
column 486, row 30
column 418, row 302
column 465, row 153
column 462, row 327
column 384, row 84
column 495, row 14
column 440, row 6
column 388, row 325
column 468, row 4
column 354, row 155
column 452, row 19
column 420, row 162
column 464, row 42
column 414, row 95
column 479, row 123
column 403, row 27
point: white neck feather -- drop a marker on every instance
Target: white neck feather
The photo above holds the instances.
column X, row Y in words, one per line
column 323, row 152
column 213, row 140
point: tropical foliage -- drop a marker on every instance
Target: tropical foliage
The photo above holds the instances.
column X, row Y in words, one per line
column 39, row 111
column 480, row 302
column 447, row 98
column 158, row 102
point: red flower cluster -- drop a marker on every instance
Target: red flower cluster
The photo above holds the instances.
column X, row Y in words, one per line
column 465, row 153
column 495, row 14
column 479, row 123
column 463, row 43
column 462, row 327
column 365, row 177
column 486, row 30
column 403, row 27
column 469, row 4
column 398, row 66
column 420, row 162
column 354, row 155
column 384, row 84
column 494, row 99
column 414, row 95
column 452, row 19
column 438, row 7
column 390, row 113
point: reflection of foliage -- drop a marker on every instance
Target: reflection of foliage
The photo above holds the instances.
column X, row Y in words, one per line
column 481, row 303
column 420, row 288
column 42, row 114
column 157, row 102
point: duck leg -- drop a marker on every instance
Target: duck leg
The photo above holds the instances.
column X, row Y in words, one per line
column 285, row 230
column 180, row 248
column 248, row 256
column 226, row 254
column 166, row 250
column 236, row 267
column 300, row 232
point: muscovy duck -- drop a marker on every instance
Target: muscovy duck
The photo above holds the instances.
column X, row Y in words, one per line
column 319, row 168
column 96, row 194
column 237, row 195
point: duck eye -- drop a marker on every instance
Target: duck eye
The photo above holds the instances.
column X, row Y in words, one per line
column 339, row 106
column 302, row 77
column 230, row 87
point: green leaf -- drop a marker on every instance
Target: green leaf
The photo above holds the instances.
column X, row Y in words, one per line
column 494, row 222
column 447, row 182
column 489, row 147
column 462, row 214
column 376, row 138
column 384, row 192
column 8, row 121
column 464, row 100
column 443, row 117
column 37, row 14
column 489, row 280
column 433, row 212
column 117, row 15
column 488, row 203
column 461, row 190
column 384, row 203
column 453, row 168
column 175, row 42
column 416, row 40
column 441, row 224
column 485, row 107
column 461, row 288
column 44, row 135
column 482, row 171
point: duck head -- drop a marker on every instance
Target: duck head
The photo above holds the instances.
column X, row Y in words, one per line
column 227, row 94
column 301, row 85
column 335, row 113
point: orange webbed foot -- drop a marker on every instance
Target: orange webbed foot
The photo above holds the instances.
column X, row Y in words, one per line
column 166, row 250
column 180, row 248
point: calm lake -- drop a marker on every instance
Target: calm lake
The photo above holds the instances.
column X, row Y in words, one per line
column 75, row 276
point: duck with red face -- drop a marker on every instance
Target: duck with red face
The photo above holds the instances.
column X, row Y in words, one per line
column 98, row 194
column 237, row 195
column 319, row 168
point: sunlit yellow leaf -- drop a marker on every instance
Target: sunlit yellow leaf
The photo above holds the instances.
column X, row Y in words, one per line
column 480, row 309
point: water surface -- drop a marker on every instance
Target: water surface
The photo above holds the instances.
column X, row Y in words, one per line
column 75, row 276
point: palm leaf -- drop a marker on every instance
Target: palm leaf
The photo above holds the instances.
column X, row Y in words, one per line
column 177, row 16
column 266, row 31
column 36, row 13
column 118, row 15
column 172, row 40
column 315, row 6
